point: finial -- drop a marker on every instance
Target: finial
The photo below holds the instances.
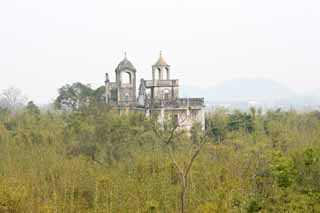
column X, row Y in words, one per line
column 125, row 54
column 160, row 53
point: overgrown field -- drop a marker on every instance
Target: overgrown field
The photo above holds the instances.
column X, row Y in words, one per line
column 93, row 160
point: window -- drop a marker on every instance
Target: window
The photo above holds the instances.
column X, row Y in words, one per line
column 167, row 74
column 126, row 97
column 126, row 77
column 166, row 95
column 158, row 75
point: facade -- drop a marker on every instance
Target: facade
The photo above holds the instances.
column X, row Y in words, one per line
column 156, row 97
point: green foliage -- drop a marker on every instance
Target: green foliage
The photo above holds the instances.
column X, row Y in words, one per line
column 253, row 206
column 217, row 123
column 73, row 97
column 95, row 160
column 241, row 121
column 282, row 169
column 32, row 108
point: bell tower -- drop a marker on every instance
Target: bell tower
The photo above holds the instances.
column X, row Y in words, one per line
column 126, row 83
column 161, row 70
column 163, row 88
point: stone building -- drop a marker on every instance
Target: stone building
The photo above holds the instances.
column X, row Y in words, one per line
column 157, row 97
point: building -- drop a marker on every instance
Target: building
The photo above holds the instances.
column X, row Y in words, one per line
column 157, row 97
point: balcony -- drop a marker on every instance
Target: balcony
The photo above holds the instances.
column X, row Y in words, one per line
column 161, row 83
column 179, row 103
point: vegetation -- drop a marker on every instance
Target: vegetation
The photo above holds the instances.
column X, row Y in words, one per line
column 91, row 159
column 72, row 97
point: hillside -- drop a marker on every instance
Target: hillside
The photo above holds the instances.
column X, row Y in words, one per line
column 243, row 89
column 244, row 93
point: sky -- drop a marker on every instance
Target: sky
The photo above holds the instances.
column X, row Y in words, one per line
column 45, row 44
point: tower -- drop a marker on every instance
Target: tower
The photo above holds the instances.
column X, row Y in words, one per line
column 163, row 88
column 126, row 82
column 122, row 92
column 161, row 70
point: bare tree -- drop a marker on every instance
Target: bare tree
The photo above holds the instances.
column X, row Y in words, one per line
column 167, row 134
column 12, row 99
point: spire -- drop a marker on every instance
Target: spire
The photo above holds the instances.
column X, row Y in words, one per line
column 161, row 61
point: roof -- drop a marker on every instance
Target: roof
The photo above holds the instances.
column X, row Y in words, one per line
column 125, row 64
column 161, row 62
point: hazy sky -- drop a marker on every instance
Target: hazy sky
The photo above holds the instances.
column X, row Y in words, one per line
column 45, row 44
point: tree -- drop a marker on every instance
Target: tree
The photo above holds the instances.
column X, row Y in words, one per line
column 12, row 99
column 32, row 108
column 241, row 121
column 168, row 133
column 72, row 97
column 217, row 122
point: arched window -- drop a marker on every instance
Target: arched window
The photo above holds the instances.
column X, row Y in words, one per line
column 164, row 74
column 167, row 74
column 126, row 78
column 159, row 74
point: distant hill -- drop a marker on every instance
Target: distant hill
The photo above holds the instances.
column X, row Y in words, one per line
column 241, row 90
column 245, row 93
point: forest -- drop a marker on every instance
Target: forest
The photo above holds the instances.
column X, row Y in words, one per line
column 89, row 158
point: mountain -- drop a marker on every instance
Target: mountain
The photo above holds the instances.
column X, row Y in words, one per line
column 242, row 90
column 245, row 93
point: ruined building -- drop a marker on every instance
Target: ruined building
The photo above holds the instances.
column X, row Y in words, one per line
column 157, row 97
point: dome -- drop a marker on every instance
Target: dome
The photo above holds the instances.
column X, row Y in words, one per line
column 125, row 64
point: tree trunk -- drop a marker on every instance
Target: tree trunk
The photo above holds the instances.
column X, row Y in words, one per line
column 183, row 193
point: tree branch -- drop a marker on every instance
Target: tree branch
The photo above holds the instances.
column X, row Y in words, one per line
column 193, row 158
column 175, row 163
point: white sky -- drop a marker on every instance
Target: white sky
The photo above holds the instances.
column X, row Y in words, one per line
column 45, row 44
